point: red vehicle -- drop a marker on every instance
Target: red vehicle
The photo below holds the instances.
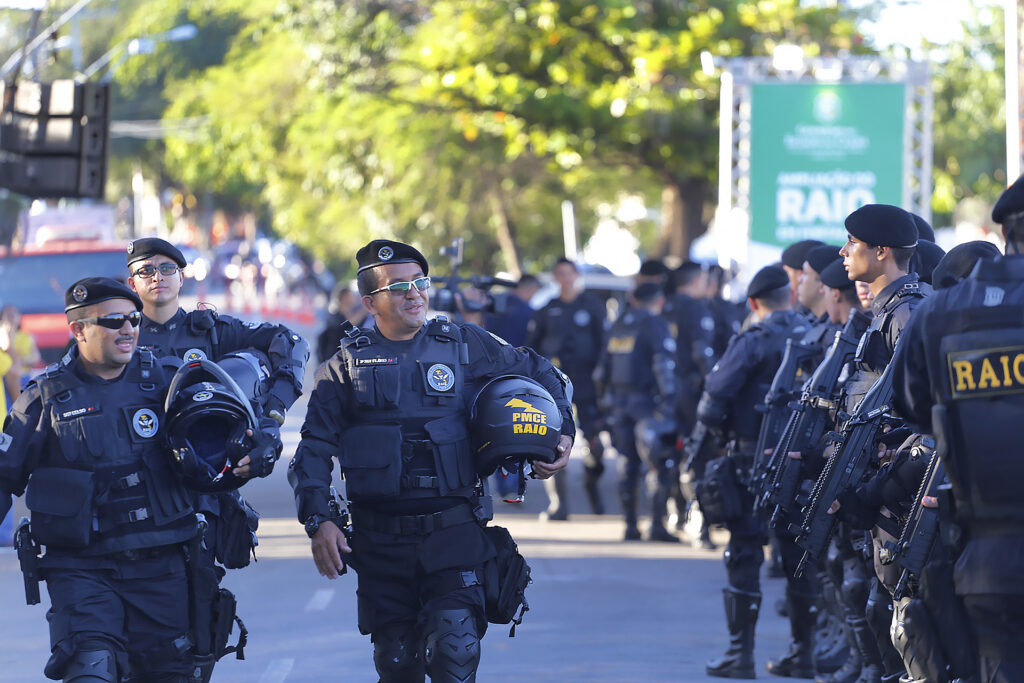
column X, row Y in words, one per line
column 34, row 278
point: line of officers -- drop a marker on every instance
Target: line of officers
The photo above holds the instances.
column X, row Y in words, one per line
column 909, row 569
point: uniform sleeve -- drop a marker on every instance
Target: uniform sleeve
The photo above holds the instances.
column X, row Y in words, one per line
column 912, row 395
column 310, row 471
column 489, row 357
column 663, row 363
column 728, row 376
column 536, row 328
column 286, row 350
column 21, row 445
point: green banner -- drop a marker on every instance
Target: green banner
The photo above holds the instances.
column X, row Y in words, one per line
column 820, row 151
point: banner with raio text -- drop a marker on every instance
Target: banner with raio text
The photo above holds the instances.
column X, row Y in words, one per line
column 819, row 151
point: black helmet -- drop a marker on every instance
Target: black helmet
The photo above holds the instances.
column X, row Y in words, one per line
column 513, row 417
column 208, row 414
column 251, row 371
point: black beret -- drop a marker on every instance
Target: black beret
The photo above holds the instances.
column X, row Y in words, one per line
column 653, row 267
column 383, row 252
column 1011, row 201
column 924, row 230
column 92, row 290
column 819, row 257
column 960, row 261
column 647, row 291
column 795, row 254
column 926, row 257
column 834, row 276
column 766, row 280
column 147, row 247
column 883, row 225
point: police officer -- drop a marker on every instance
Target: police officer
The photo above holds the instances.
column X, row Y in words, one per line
column 793, row 258
column 391, row 405
column 728, row 315
column 86, row 439
column 569, row 331
column 693, row 327
column 156, row 275
column 955, row 378
column 734, row 386
column 637, row 372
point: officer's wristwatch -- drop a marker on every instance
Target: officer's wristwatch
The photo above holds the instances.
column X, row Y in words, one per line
column 313, row 523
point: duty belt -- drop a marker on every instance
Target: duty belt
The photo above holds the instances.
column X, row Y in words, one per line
column 411, row 525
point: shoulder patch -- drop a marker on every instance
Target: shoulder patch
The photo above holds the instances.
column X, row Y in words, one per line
column 986, row 372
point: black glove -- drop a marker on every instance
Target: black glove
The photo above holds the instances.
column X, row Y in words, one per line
column 266, row 449
column 855, row 510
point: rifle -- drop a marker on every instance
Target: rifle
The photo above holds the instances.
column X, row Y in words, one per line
column 853, row 454
column 916, row 540
column 784, row 388
column 810, row 417
column 28, row 557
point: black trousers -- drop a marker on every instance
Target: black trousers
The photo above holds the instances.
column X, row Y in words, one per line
column 137, row 608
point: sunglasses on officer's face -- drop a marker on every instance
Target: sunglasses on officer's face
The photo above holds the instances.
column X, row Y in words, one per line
column 115, row 321
column 421, row 284
column 148, row 271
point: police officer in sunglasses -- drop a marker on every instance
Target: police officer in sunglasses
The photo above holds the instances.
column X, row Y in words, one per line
column 85, row 443
column 156, row 274
column 392, row 406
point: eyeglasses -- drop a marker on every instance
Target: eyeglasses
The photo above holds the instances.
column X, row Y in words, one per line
column 116, row 321
column 166, row 269
column 421, row 284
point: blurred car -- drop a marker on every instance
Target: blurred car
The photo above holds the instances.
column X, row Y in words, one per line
column 34, row 279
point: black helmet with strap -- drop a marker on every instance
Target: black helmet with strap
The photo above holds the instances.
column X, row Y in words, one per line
column 513, row 417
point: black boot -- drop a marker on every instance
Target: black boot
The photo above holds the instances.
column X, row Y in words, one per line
column 798, row 662
column 867, row 648
column 659, row 489
column 741, row 610
column 627, row 499
column 593, row 468
column 558, row 505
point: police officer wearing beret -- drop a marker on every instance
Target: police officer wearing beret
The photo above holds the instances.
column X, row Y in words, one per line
column 569, row 331
column 734, row 386
column 793, row 258
column 637, row 373
column 392, row 407
column 86, row 441
column 156, row 274
column 955, row 378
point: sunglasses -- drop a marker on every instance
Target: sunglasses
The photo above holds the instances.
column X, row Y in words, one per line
column 421, row 284
column 166, row 269
column 116, row 321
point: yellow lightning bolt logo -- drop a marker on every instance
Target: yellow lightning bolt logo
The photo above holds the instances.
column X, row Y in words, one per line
column 522, row 405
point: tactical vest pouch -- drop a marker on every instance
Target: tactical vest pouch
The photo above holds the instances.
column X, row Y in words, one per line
column 376, row 386
column 236, row 532
column 224, row 620
column 61, row 504
column 371, row 460
column 720, row 493
column 453, row 457
column 95, row 432
column 169, row 501
column 505, row 579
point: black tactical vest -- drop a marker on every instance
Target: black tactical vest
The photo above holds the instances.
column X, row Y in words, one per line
column 196, row 332
column 109, row 486
column 407, row 435
column 975, row 340
column 771, row 333
column 876, row 346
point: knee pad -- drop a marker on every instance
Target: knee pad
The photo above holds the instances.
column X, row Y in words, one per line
column 396, row 656
column 452, row 650
column 91, row 666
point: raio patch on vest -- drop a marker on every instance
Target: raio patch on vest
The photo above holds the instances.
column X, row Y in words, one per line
column 621, row 344
column 986, row 372
column 440, row 377
column 526, row 419
column 145, row 423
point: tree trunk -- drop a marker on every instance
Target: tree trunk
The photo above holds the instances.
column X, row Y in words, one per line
column 682, row 215
column 505, row 232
